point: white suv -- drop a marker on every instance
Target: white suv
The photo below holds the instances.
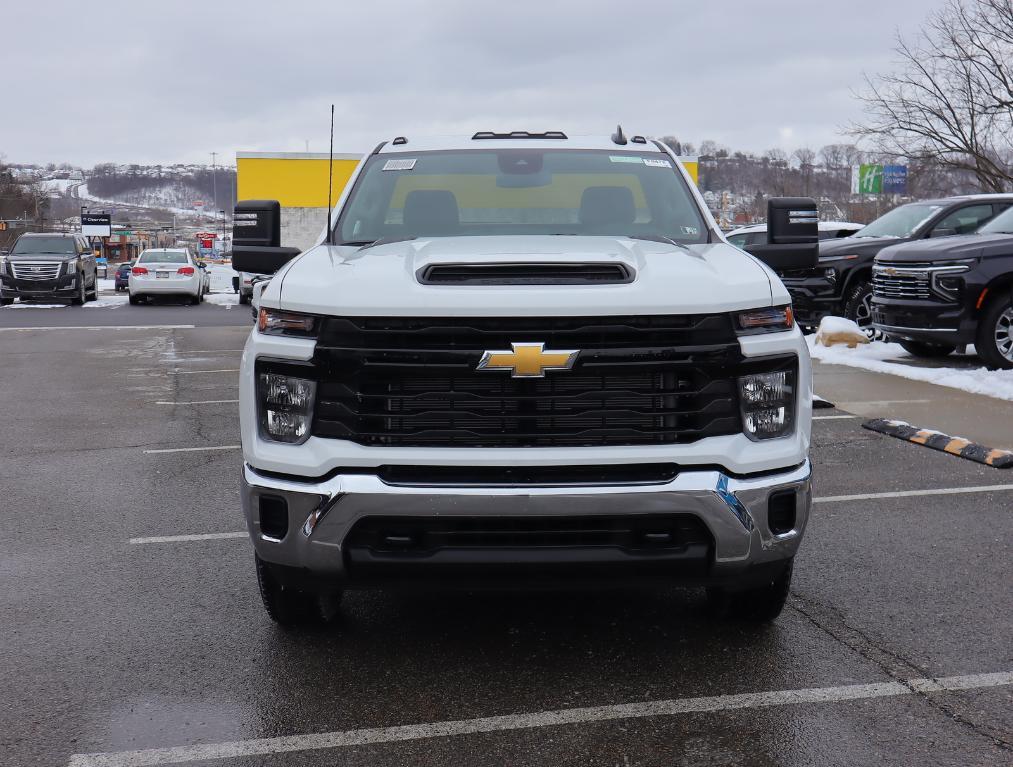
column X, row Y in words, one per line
column 524, row 357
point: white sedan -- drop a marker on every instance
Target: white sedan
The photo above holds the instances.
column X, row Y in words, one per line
column 166, row 272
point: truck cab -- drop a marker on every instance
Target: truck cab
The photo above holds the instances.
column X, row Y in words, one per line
column 523, row 357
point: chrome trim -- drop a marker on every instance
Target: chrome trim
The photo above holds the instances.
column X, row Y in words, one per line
column 733, row 509
column 915, row 330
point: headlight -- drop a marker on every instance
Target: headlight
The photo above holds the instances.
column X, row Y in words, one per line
column 767, row 404
column 70, row 267
column 946, row 280
column 769, row 320
column 279, row 323
column 286, row 407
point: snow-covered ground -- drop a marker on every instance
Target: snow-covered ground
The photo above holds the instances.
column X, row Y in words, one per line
column 228, row 300
column 881, row 357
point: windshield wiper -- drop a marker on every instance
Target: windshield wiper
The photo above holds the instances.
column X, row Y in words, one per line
column 364, row 244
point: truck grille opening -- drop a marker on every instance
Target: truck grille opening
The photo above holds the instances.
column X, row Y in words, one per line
column 35, row 270
column 637, row 380
column 537, row 547
column 526, row 274
column 904, row 283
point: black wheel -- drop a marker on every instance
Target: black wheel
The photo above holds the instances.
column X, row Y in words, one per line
column 858, row 308
column 244, row 299
column 6, row 301
column 92, row 295
column 994, row 340
column 930, row 351
column 757, row 605
column 135, row 300
column 289, row 606
column 82, row 294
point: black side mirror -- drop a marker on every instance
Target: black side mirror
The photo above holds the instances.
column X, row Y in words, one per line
column 256, row 238
column 792, row 234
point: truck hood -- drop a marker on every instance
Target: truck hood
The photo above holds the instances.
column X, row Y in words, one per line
column 949, row 248
column 382, row 280
column 848, row 245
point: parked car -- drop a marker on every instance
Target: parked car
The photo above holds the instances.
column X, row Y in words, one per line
column 757, row 233
column 933, row 296
column 47, row 266
column 122, row 276
column 166, row 271
column 245, row 285
column 841, row 283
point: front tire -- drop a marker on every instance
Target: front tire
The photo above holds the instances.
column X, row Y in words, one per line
column 82, row 294
column 290, row 607
column 926, row 350
column 858, row 308
column 994, row 339
column 756, row 605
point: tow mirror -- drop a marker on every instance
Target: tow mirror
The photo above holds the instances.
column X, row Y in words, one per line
column 792, row 234
column 256, row 238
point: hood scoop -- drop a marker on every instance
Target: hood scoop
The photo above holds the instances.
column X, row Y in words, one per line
column 567, row 273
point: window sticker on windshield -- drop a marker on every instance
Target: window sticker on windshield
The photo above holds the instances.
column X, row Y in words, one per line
column 657, row 163
column 625, row 158
column 399, row 164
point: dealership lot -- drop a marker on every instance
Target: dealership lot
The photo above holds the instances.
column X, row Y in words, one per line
column 133, row 629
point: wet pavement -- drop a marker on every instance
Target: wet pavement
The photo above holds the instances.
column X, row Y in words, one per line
column 114, row 647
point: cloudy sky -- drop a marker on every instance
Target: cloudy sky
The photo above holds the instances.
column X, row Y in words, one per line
column 146, row 81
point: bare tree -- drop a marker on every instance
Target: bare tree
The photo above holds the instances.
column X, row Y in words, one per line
column 950, row 100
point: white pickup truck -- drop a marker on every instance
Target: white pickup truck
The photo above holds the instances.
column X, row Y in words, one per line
column 522, row 359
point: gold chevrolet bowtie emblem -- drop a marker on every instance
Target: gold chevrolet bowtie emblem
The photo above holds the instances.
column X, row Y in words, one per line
column 528, row 360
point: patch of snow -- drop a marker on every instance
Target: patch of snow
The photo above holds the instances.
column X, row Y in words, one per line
column 36, row 306
column 107, row 284
column 109, row 302
column 227, row 300
column 881, row 357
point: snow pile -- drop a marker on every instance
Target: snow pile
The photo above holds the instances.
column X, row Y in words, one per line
column 838, row 330
column 227, row 300
column 880, row 357
column 36, row 306
column 110, row 302
column 109, row 284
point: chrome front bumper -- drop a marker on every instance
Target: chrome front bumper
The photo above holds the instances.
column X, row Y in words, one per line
column 320, row 515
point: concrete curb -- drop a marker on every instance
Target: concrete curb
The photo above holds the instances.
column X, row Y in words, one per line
column 958, row 446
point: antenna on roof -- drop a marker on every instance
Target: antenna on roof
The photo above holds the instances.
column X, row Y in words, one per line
column 618, row 137
column 330, row 180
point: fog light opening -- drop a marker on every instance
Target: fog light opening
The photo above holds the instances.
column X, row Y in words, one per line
column 273, row 517
column 781, row 512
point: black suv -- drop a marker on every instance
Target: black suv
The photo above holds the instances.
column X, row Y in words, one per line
column 935, row 296
column 46, row 266
column 841, row 284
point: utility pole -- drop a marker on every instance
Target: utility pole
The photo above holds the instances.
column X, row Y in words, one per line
column 214, row 181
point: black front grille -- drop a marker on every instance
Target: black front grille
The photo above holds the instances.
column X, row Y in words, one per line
column 637, row 381
column 905, row 283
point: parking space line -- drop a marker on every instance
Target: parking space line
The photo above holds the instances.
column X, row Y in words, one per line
column 556, row 718
column 191, row 449
column 203, row 351
column 199, row 402
column 100, row 327
column 883, row 402
column 194, row 372
column 914, row 493
column 194, row 537
column 832, row 417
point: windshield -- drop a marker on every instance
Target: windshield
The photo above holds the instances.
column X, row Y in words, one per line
column 162, row 257
column 47, row 245
column 520, row 191
column 900, row 222
column 1001, row 224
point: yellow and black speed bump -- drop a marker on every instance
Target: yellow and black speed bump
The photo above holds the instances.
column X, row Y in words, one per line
column 990, row 456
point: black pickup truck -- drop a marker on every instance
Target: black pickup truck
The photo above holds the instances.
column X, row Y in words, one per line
column 933, row 296
column 841, row 283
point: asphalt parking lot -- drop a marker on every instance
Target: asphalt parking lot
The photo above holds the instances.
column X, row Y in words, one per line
column 133, row 632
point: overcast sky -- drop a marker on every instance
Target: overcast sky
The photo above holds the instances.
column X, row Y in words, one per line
column 167, row 82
